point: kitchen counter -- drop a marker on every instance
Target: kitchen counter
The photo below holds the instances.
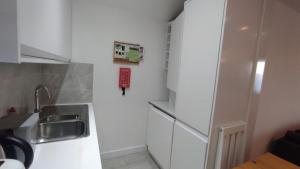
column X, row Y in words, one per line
column 268, row 161
column 164, row 106
column 13, row 121
column 81, row 153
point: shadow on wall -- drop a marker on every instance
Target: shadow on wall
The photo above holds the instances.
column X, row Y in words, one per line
column 71, row 83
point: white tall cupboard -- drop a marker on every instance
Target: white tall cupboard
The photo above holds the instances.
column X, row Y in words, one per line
column 193, row 64
column 219, row 47
column 35, row 31
column 197, row 79
column 202, row 32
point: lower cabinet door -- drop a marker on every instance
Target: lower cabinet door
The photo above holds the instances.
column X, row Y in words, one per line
column 189, row 148
column 159, row 136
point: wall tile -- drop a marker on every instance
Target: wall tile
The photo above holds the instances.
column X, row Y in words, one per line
column 17, row 83
column 71, row 83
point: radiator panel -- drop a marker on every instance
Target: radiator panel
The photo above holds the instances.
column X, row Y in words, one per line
column 231, row 145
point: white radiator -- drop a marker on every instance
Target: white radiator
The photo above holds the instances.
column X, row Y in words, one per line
column 231, row 145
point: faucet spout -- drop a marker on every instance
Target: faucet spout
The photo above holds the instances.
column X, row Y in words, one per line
column 37, row 108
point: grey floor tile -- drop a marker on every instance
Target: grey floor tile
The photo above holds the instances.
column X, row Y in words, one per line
column 140, row 160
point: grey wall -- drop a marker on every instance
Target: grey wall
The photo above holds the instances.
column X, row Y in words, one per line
column 17, row 83
column 71, row 83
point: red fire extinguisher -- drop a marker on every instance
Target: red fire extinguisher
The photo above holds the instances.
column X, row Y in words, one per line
column 124, row 79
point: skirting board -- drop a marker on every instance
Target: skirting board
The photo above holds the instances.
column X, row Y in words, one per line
column 122, row 152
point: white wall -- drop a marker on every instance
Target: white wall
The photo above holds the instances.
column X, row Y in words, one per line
column 121, row 121
column 278, row 105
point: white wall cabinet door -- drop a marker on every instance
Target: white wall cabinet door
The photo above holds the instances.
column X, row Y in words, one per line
column 189, row 148
column 46, row 25
column 175, row 52
column 203, row 24
column 35, row 30
column 9, row 44
column 159, row 136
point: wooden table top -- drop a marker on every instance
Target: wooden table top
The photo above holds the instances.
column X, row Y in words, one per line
column 268, row 161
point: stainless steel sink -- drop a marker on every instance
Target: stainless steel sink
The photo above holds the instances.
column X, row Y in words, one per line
column 61, row 130
column 59, row 123
column 59, row 118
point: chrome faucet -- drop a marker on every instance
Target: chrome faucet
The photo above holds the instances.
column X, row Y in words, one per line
column 37, row 105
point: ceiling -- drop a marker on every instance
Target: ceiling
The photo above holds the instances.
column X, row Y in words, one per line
column 165, row 10
column 295, row 4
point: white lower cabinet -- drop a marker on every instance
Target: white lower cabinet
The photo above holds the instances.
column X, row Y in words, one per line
column 159, row 136
column 189, row 148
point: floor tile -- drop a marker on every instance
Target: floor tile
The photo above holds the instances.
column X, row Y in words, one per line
column 140, row 160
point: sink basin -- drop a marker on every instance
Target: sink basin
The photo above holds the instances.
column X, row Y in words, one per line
column 58, row 123
column 61, row 130
column 57, row 118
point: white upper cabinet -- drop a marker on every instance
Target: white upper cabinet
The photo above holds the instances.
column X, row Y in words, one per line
column 9, row 46
column 202, row 32
column 175, row 52
column 35, row 31
column 46, row 25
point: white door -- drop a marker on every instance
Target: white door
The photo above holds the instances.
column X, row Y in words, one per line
column 159, row 136
column 203, row 24
column 175, row 52
column 189, row 148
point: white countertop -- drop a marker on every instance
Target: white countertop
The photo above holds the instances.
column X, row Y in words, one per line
column 165, row 106
column 82, row 153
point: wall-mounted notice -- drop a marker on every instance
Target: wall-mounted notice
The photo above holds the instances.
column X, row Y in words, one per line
column 127, row 53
